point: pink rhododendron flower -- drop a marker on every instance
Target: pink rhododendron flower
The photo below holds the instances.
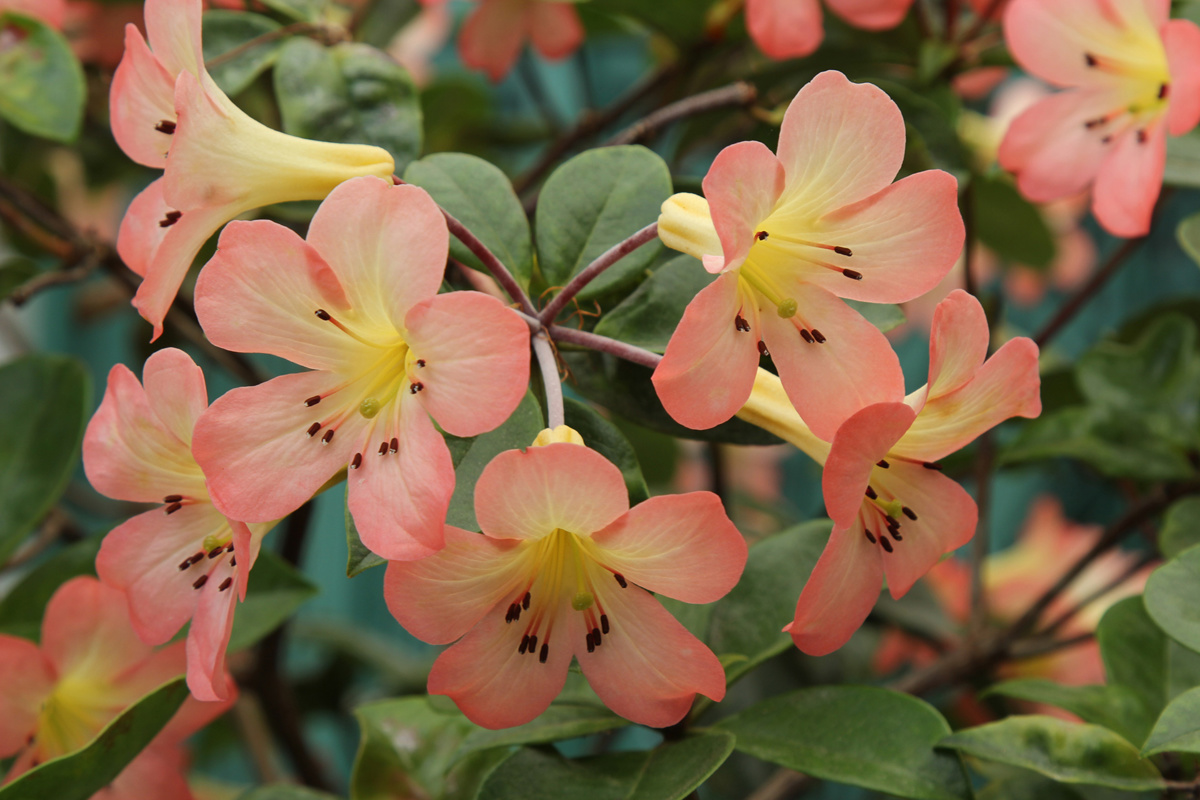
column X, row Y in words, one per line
column 184, row 560
column 1131, row 77
column 90, row 667
column 794, row 29
column 789, row 235
column 493, row 34
column 357, row 304
column 561, row 571
column 221, row 162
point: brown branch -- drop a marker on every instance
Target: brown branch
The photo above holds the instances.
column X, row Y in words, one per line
column 1095, row 595
column 738, row 94
column 304, row 28
column 60, row 277
column 1089, row 290
column 605, row 345
column 589, row 273
column 981, row 20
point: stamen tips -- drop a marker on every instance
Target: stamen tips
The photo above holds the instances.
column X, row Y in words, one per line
column 886, row 544
column 322, row 315
column 357, row 462
column 852, row 274
column 225, row 584
column 328, row 437
column 545, row 653
column 199, row 584
column 843, row 251
column 621, row 580
column 166, row 126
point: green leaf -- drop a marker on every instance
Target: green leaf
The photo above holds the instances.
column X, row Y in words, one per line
column 274, row 592
column 1183, row 161
column 1188, row 234
column 480, row 196
column 607, row 439
column 1178, row 728
column 1173, row 598
column 301, row 10
column 1114, row 707
column 472, row 455
column 681, row 20
column 1139, row 656
column 349, row 93
column 562, row 720
column 884, row 316
column 359, row 557
column 466, row 778
column 649, row 316
column 225, row 31
column 858, row 735
column 44, row 400
column 749, row 620
column 598, row 199
column 1012, row 783
column 1065, row 751
column 22, row 608
column 79, row 775
column 669, row 772
column 1009, row 224
column 285, row 791
column 42, row 90
column 13, row 273
column 1180, row 528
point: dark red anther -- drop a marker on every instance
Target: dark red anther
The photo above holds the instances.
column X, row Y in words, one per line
column 740, row 324
column 908, row 512
column 165, row 126
column 1095, row 123
column 216, row 551
column 604, row 623
column 1162, row 91
column 871, row 493
column 853, row 275
column 882, row 463
column 544, row 654
column 762, row 348
column 383, row 448
column 171, row 509
column 621, row 580
column 932, row 465
column 891, row 522
column 525, row 601
column 1090, row 59
column 416, row 387
column 393, row 445
column 843, row 251
column 420, row 362
column 1142, row 137
column 870, row 536
column 761, row 236
column 233, row 561
column 532, row 644
column 170, row 219
column 806, row 336
column 591, row 645
column 229, row 547
column 312, row 429
column 203, row 579
column 187, row 562
column 198, row 557
column 172, row 498
column 225, row 584
column 328, row 437
column 596, row 636
column 896, row 535
column 820, row 337
column 1106, row 140
column 886, row 544
column 524, row 644
column 322, row 315
column 312, row 401
column 357, row 462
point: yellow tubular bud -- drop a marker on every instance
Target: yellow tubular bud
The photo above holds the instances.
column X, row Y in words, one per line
column 560, row 434
column 686, row 225
column 770, row 409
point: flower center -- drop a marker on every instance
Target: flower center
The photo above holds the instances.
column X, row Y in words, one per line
column 214, row 548
column 883, row 512
column 72, row 715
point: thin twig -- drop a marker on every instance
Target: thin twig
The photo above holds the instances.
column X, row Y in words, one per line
column 589, row 273
column 736, row 94
column 605, row 345
column 304, row 28
column 55, row 526
column 1089, row 290
column 550, row 380
column 784, row 783
column 251, row 724
column 59, row 277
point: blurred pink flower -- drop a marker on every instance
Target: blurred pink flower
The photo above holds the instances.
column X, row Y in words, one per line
column 794, row 28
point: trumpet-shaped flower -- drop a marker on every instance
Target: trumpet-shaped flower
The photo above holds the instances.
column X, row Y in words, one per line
column 794, row 28
column 894, row 513
column 789, row 234
column 357, row 304
column 90, row 667
column 561, row 571
column 220, row 163
column 1131, row 77
column 185, row 559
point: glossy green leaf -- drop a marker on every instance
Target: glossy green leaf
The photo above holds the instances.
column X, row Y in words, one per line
column 302, row 10
column 1010, row 225
column 359, row 557
column 480, row 196
column 349, row 93
column 858, row 735
column 42, row 89
column 884, row 316
column 13, row 273
column 669, row 772
column 1188, row 234
column 1011, row 783
column 1180, row 528
column 595, row 200
column 1173, row 598
column 1177, row 730
column 1114, row 707
column 233, row 48
column 1183, row 161
column 274, row 592
column 44, row 400
column 1065, row 751
column 564, row 719
column 283, row 791
column 749, row 620
column 681, row 20
column 1139, row 656
column 466, row 778
column 81, row 774
column 649, row 316
column 22, row 608
column 607, row 439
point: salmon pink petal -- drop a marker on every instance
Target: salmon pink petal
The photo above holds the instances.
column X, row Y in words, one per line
column 156, row 772
column 438, row 599
column 555, row 29
column 861, row 441
column 841, row 142
column 958, row 342
column 946, row 518
column 527, row 495
column 492, row 36
column 853, row 368
column 680, row 545
column 86, row 627
column 1007, row 385
column 471, row 358
column 904, row 238
column 129, row 454
column 785, row 28
column 155, row 669
column 141, row 99
column 708, row 370
column 208, row 636
column 253, row 447
column 871, row 15
column 175, row 390
column 399, row 500
column 173, row 28
column 1181, row 39
column 839, row 594
column 742, row 186
column 386, row 244
column 1129, row 182
column 28, row 680
column 1050, row 147
column 260, row 294
column 495, row 685
column 648, row 667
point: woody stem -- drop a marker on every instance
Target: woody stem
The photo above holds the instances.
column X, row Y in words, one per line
column 591, row 271
column 550, row 382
